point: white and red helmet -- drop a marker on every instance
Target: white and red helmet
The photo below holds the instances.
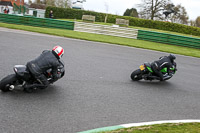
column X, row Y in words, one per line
column 59, row 51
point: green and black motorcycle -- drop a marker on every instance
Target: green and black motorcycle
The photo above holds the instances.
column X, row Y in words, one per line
column 145, row 72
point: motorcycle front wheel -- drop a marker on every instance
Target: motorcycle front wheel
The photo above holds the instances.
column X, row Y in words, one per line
column 136, row 75
column 7, row 81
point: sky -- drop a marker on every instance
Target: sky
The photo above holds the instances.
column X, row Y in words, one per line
column 119, row 6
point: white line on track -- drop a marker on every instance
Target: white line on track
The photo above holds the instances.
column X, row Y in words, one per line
column 111, row 128
column 158, row 122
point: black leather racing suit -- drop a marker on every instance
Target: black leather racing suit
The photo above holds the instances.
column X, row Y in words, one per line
column 160, row 64
column 47, row 60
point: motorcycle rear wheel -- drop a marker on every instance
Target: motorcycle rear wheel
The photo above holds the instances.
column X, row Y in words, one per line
column 7, row 81
column 136, row 75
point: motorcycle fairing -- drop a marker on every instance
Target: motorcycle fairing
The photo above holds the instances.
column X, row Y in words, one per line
column 21, row 70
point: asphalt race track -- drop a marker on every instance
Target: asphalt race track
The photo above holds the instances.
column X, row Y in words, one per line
column 96, row 90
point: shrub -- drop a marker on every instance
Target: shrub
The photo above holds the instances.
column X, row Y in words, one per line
column 69, row 13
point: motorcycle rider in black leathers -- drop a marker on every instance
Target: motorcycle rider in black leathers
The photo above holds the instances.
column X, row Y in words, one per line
column 47, row 60
column 165, row 61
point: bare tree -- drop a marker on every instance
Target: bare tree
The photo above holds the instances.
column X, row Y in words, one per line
column 180, row 16
column 198, row 21
column 192, row 23
column 30, row 2
column 61, row 3
column 38, row 1
column 152, row 9
column 50, row 2
column 57, row 3
column 169, row 9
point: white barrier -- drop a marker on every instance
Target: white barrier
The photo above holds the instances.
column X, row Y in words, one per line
column 106, row 30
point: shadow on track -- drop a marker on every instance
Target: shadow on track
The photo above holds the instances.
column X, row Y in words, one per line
column 151, row 82
column 170, row 85
column 51, row 91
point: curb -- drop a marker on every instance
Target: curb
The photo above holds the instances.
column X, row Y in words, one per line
column 136, row 124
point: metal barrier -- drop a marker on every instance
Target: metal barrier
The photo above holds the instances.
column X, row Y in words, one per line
column 169, row 38
column 106, row 30
column 39, row 22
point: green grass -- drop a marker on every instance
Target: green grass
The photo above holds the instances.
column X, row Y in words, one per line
column 109, row 39
column 162, row 128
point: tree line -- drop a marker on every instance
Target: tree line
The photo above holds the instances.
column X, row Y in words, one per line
column 163, row 10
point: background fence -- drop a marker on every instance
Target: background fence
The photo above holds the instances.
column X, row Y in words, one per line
column 33, row 21
column 103, row 29
column 169, row 38
column 106, row 30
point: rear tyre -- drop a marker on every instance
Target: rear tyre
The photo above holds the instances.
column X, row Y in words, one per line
column 136, row 75
column 7, row 81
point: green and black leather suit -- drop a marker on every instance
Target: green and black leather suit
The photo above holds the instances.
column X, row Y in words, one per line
column 165, row 61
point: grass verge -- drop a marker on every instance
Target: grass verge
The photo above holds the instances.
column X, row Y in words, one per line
column 162, row 128
column 109, row 39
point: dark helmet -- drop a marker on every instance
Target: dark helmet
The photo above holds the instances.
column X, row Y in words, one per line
column 172, row 57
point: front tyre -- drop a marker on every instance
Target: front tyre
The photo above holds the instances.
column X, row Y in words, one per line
column 7, row 81
column 136, row 75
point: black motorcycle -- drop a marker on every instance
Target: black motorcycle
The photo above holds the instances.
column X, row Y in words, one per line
column 145, row 72
column 22, row 77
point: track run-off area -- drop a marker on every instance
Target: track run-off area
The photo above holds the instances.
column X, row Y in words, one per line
column 96, row 90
